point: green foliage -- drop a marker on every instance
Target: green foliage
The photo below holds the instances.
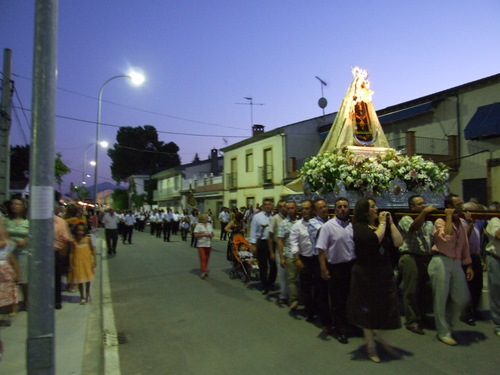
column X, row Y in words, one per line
column 138, row 200
column 120, row 199
column 60, row 168
column 150, row 186
column 138, row 151
column 20, row 164
column 81, row 192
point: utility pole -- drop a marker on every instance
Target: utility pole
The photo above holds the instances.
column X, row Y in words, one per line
column 40, row 353
column 5, row 123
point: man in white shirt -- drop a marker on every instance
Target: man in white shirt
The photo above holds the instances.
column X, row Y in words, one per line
column 168, row 220
column 224, row 218
column 111, row 221
column 336, row 257
column 259, row 234
column 273, row 248
column 128, row 221
column 287, row 259
column 305, row 257
column 493, row 263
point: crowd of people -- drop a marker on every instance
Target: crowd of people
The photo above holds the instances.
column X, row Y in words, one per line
column 349, row 271
column 74, row 256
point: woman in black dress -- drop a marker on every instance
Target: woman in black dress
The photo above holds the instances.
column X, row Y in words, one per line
column 373, row 300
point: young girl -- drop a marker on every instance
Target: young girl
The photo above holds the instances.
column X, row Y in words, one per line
column 82, row 261
column 9, row 274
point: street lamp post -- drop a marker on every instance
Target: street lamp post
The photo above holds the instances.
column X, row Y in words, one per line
column 84, row 172
column 137, row 79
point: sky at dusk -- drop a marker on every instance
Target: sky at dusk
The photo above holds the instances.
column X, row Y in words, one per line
column 201, row 57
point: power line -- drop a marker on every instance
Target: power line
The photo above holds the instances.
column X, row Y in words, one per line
column 28, row 124
column 158, row 131
column 141, row 110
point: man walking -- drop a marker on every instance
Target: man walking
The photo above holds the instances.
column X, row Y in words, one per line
column 305, row 257
column 259, row 234
column 129, row 222
column 336, row 257
column 413, row 262
column 273, row 248
column 449, row 285
column 224, row 218
column 286, row 258
column 111, row 221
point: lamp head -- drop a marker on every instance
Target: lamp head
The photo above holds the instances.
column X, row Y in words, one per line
column 137, row 78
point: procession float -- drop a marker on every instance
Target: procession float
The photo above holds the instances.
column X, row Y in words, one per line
column 355, row 160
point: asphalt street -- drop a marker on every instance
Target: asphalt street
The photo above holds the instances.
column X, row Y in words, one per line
column 169, row 321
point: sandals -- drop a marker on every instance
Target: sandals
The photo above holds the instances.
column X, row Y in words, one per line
column 82, row 302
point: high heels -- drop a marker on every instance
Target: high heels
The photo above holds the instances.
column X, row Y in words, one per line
column 372, row 354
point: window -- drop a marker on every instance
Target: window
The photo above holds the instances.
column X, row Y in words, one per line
column 249, row 161
column 232, row 181
column 268, row 166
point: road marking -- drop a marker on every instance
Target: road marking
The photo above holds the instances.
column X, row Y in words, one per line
column 111, row 354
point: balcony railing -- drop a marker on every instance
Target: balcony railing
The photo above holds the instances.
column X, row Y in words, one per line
column 423, row 145
column 266, row 175
column 231, row 180
column 165, row 194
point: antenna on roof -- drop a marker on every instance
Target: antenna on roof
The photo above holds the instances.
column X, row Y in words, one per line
column 322, row 102
column 251, row 104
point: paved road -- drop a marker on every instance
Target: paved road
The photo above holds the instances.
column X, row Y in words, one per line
column 175, row 323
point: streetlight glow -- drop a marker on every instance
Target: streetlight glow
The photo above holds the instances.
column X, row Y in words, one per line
column 137, row 79
column 104, row 144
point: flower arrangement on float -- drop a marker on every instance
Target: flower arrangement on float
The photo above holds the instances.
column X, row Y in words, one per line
column 375, row 175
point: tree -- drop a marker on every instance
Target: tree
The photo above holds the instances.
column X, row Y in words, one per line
column 196, row 158
column 81, row 192
column 60, row 169
column 138, row 151
column 20, row 164
column 120, row 199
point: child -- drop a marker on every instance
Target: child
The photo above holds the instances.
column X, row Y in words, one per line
column 9, row 275
column 185, row 228
column 82, row 261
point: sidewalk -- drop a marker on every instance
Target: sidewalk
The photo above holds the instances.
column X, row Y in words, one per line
column 78, row 336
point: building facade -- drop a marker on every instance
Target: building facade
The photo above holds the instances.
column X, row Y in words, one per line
column 447, row 126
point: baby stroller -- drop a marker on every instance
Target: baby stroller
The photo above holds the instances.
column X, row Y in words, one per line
column 244, row 265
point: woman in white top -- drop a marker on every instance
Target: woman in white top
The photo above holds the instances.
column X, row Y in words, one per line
column 204, row 232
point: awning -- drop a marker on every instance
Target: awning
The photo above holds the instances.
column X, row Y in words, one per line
column 485, row 123
column 406, row 113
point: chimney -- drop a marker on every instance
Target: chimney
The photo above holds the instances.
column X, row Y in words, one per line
column 257, row 129
column 214, row 162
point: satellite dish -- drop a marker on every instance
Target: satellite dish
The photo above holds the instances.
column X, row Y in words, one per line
column 322, row 102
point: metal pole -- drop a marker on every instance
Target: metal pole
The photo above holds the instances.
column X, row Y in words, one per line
column 5, row 123
column 98, row 130
column 41, row 338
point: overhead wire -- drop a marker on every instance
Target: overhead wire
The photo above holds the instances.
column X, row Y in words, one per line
column 142, row 110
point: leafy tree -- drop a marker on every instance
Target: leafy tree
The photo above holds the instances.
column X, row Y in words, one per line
column 120, row 199
column 138, row 151
column 61, row 169
column 81, row 192
column 20, row 164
